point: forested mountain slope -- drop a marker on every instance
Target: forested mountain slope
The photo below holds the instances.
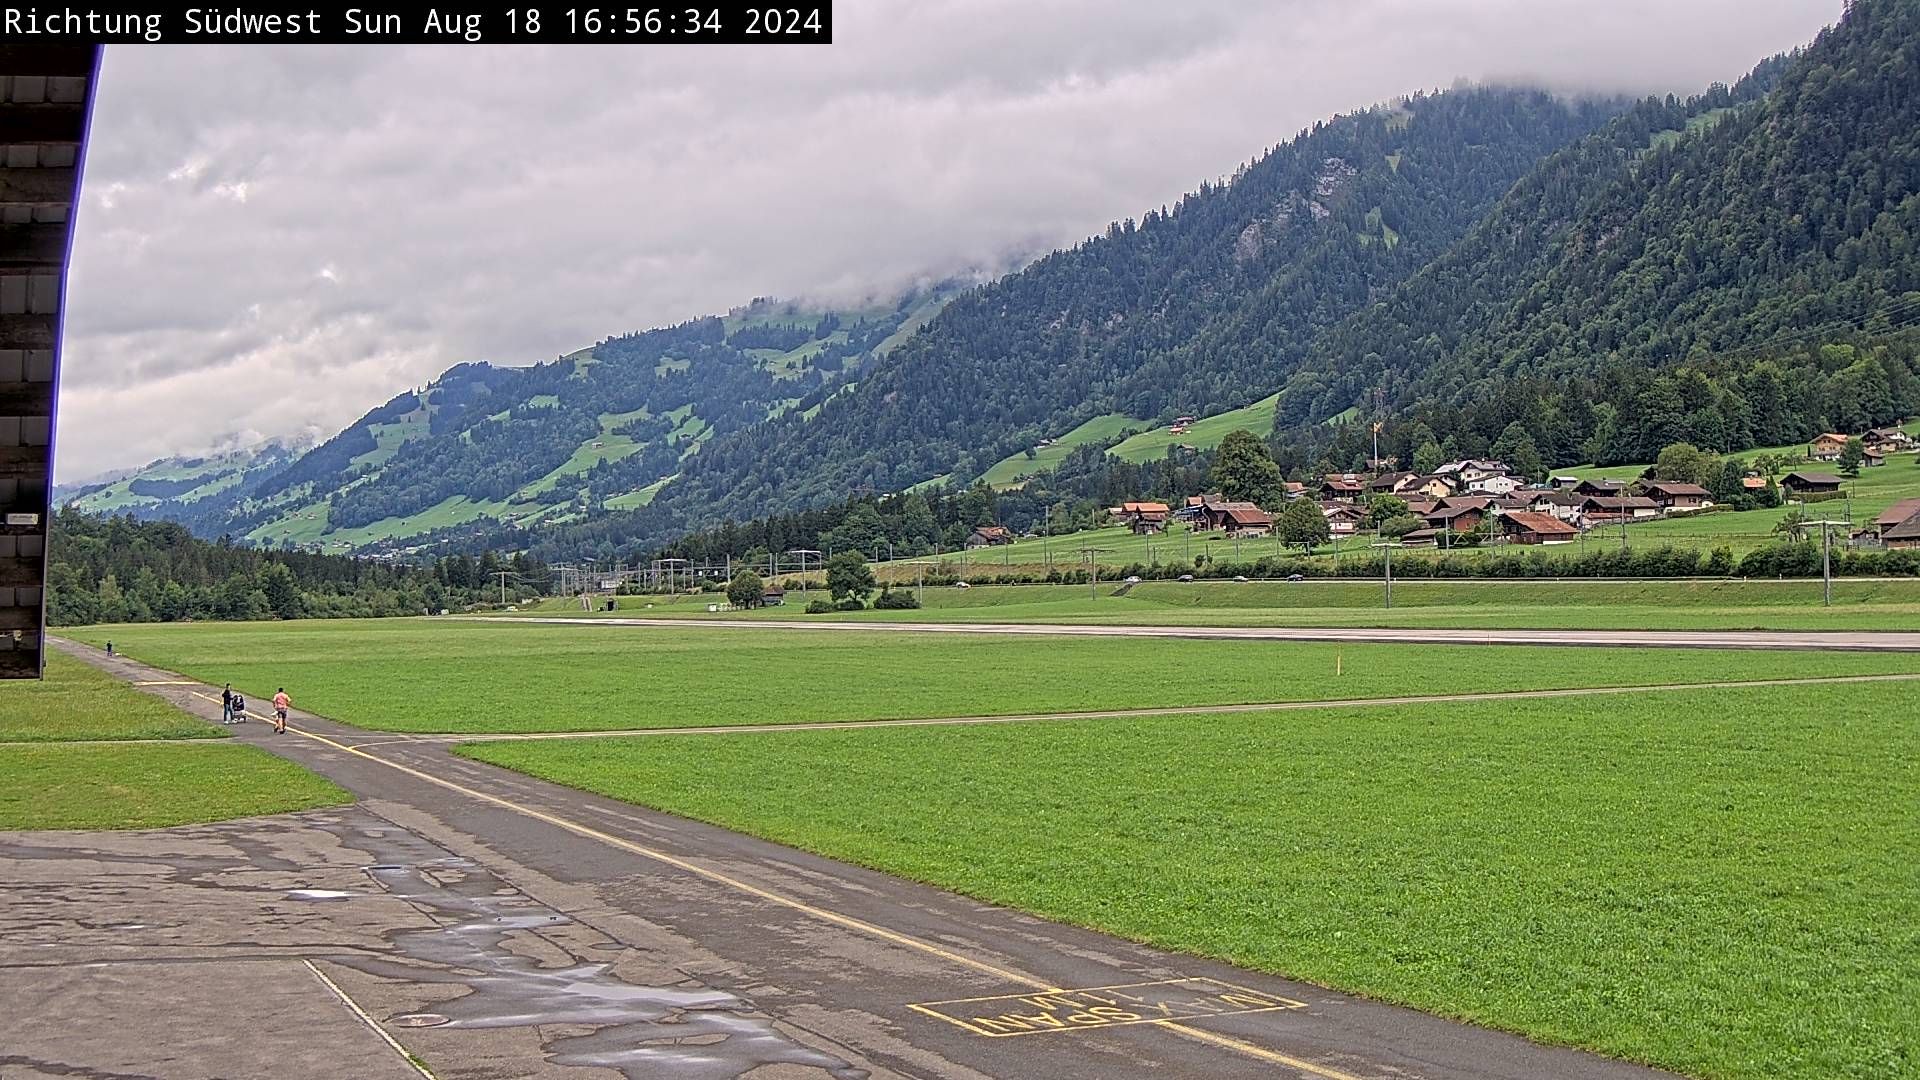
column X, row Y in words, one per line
column 604, row 426
column 1634, row 290
column 1203, row 307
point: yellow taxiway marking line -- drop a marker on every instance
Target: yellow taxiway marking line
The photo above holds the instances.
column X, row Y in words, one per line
column 354, row 1006
column 824, row 914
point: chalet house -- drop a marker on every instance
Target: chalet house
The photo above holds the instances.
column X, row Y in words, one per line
column 1676, row 496
column 1874, row 456
column 1564, row 483
column 1427, row 537
column 1420, row 507
column 1810, row 483
column 1469, row 470
column 1565, row 505
column 1526, row 527
column 1753, row 483
column 1450, row 518
column 1195, row 506
column 1904, row 536
column 989, row 536
column 773, row 596
column 1294, row 489
column 1433, row 487
column 1493, row 484
column 1343, row 519
column 1889, row 440
column 1145, row 517
column 1600, row 487
column 1614, row 509
column 1246, row 519
column 1391, row 483
column 1826, row 447
column 1215, row 515
column 1896, row 515
column 1342, row 487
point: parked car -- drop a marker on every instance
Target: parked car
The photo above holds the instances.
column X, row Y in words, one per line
column 1241, row 578
column 1186, row 577
column 1295, row 577
column 961, row 585
column 1133, row 579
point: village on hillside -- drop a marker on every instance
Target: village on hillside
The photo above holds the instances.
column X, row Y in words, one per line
column 1473, row 501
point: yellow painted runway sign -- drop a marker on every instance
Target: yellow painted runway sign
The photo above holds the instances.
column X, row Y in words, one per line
column 1103, row 1006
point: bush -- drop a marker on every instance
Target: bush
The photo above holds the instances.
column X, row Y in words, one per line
column 889, row 600
column 820, row 606
column 851, row 603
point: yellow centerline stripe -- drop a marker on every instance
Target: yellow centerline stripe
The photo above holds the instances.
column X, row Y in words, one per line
column 817, row 912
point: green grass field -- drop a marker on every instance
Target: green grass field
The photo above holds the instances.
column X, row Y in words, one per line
column 1587, row 604
column 1016, row 467
column 1204, row 434
column 78, row 701
column 1720, row 882
column 53, row 782
column 503, row 675
column 151, row 786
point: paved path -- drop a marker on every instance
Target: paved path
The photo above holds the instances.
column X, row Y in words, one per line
column 1875, row 641
column 863, row 974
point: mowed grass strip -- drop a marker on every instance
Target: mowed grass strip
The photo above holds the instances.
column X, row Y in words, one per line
column 1579, row 604
column 1719, row 882
column 416, row 675
column 151, row 785
column 79, row 701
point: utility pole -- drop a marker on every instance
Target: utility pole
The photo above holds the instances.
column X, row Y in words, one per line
column 1826, row 558
column 502, row 575
column 1386, row 553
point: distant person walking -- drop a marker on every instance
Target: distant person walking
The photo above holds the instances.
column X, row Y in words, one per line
column 226, row 704
column 109, row 648
column 281, row 703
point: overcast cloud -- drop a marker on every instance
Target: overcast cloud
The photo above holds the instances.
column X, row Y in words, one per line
column 275, row 240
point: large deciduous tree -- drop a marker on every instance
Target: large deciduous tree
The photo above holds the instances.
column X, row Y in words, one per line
column 1244, row 471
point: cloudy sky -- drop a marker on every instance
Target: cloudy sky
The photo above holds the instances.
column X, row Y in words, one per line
column 274, row 240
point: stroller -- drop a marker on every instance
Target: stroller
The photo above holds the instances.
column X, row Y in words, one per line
column 239, row 708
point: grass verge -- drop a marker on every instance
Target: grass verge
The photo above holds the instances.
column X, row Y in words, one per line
column 79, row 701
column 1719, row 882
column 151, row 786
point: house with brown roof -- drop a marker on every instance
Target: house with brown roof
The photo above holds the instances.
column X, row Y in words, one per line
column 1215, row 515
column 1674, row 495
column 1433, row 487
column 1810, row 483
column 989, row 536
column 1246, row 519
column 1600, row 487
column 1527, row 527
column 1293, row 489
column 1826, row 446
column 1894, row 437
column 1898, row 514
column 1391, row 483
column 1342, row 487
column 1904, row 536
column 1753, row 483
column 1451, row 518
column 1494, row 484
column 1343, row 519
column 1614, row 509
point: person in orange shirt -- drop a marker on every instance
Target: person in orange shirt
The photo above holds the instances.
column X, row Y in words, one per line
column 281, row 703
